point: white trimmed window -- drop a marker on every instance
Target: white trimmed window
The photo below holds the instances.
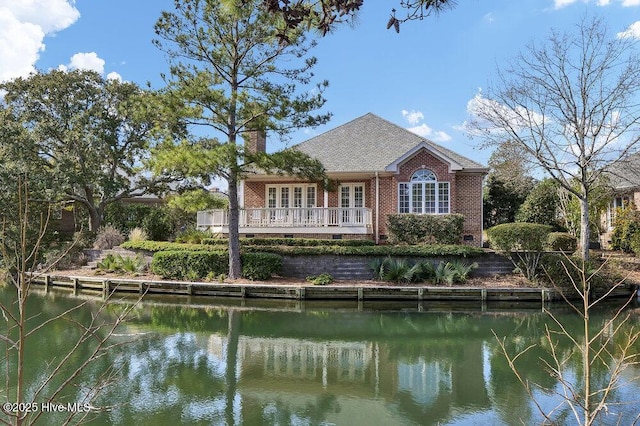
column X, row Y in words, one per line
column 351, row 202
column 291, row 195
column 616, row 203
column 424, row 194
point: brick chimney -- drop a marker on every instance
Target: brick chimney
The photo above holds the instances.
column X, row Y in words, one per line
column 256, row 141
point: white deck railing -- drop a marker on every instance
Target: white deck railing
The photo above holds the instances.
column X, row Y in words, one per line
column 289, row 217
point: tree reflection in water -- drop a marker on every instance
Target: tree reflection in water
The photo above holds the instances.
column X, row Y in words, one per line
column 240, row 366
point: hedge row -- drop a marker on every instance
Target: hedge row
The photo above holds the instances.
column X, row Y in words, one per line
column 425, row 228
column 382, row 250
column 414, row 250
column 155, row 246
column 306, row 242
column 203, row 264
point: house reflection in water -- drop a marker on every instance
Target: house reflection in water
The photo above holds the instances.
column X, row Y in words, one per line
column 371, row 380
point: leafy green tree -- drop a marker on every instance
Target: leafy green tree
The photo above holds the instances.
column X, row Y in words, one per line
column 541, row 205
column 232, row 73
column 500, row 201
column 507, row 185
column 569, row 208
column 512, row 165
column 87, row 136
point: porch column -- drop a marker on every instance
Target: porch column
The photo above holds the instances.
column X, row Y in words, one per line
column 325, row 211
column 377, row 210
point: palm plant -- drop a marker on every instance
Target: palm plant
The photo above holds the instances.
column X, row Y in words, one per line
column 445, row 273
column 462, row 270
column 426, row 271
column 108, row 264
column 399, row 271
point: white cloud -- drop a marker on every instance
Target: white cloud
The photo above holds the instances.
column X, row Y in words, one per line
column 441, row 136
column 559, row 4
column 422, row 130
column 114, row 76
column 493, row 113
column 489, row 18
column 85, row 61
column 23, row 27
column 632, row 32
column 427, row 132
column 413, row 117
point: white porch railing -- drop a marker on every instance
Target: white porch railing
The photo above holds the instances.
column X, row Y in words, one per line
column 313, row 217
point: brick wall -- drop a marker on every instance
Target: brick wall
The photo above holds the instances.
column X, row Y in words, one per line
column 469, row 204
column 254, row 193
column 425, row 160
column 465, row 193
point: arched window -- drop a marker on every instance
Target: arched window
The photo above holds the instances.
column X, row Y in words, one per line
column 423, row 194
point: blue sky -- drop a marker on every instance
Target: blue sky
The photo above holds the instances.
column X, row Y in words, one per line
column 422, row 78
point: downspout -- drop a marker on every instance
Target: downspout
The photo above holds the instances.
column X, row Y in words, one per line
column 377, row 227
column 482, row 212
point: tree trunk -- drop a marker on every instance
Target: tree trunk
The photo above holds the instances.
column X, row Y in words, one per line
column 584, row 227
column 95, row 218
column 235, row 267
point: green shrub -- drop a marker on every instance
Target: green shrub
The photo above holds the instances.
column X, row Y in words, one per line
column 260, row 266
column 626, row 225
column 561, row 241
column 322, row 279
column 522, row 243
column 211, row 241
column 402, row 271
column 125, row 217
column 445, row 273
column 541, row 205
column 193, row 236
column 425, row 229
column 304, row 242
column 432, row 250
column 158, row 224
column 462, row 270
column 635, row 244
column 108, row 264
column 184, row 264
column 562, row 271
column 120, row 264
column 155, row 246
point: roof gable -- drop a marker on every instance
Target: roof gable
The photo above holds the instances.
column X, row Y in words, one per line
column 370, row 143
column 394, row 166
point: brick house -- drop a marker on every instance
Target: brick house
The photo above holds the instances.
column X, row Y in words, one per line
column 624, row 182
column 381, row 168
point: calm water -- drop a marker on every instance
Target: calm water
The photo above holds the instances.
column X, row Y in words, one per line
column 287, row 364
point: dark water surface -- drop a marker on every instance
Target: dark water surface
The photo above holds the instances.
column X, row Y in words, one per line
column 208, row 363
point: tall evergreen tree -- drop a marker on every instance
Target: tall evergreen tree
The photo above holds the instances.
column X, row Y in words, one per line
column 232, row 73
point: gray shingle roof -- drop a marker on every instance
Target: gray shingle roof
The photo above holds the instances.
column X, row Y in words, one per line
column 625, row 174
column 368, row 144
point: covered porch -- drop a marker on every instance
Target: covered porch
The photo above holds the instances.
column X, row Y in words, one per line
column 296, row 220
